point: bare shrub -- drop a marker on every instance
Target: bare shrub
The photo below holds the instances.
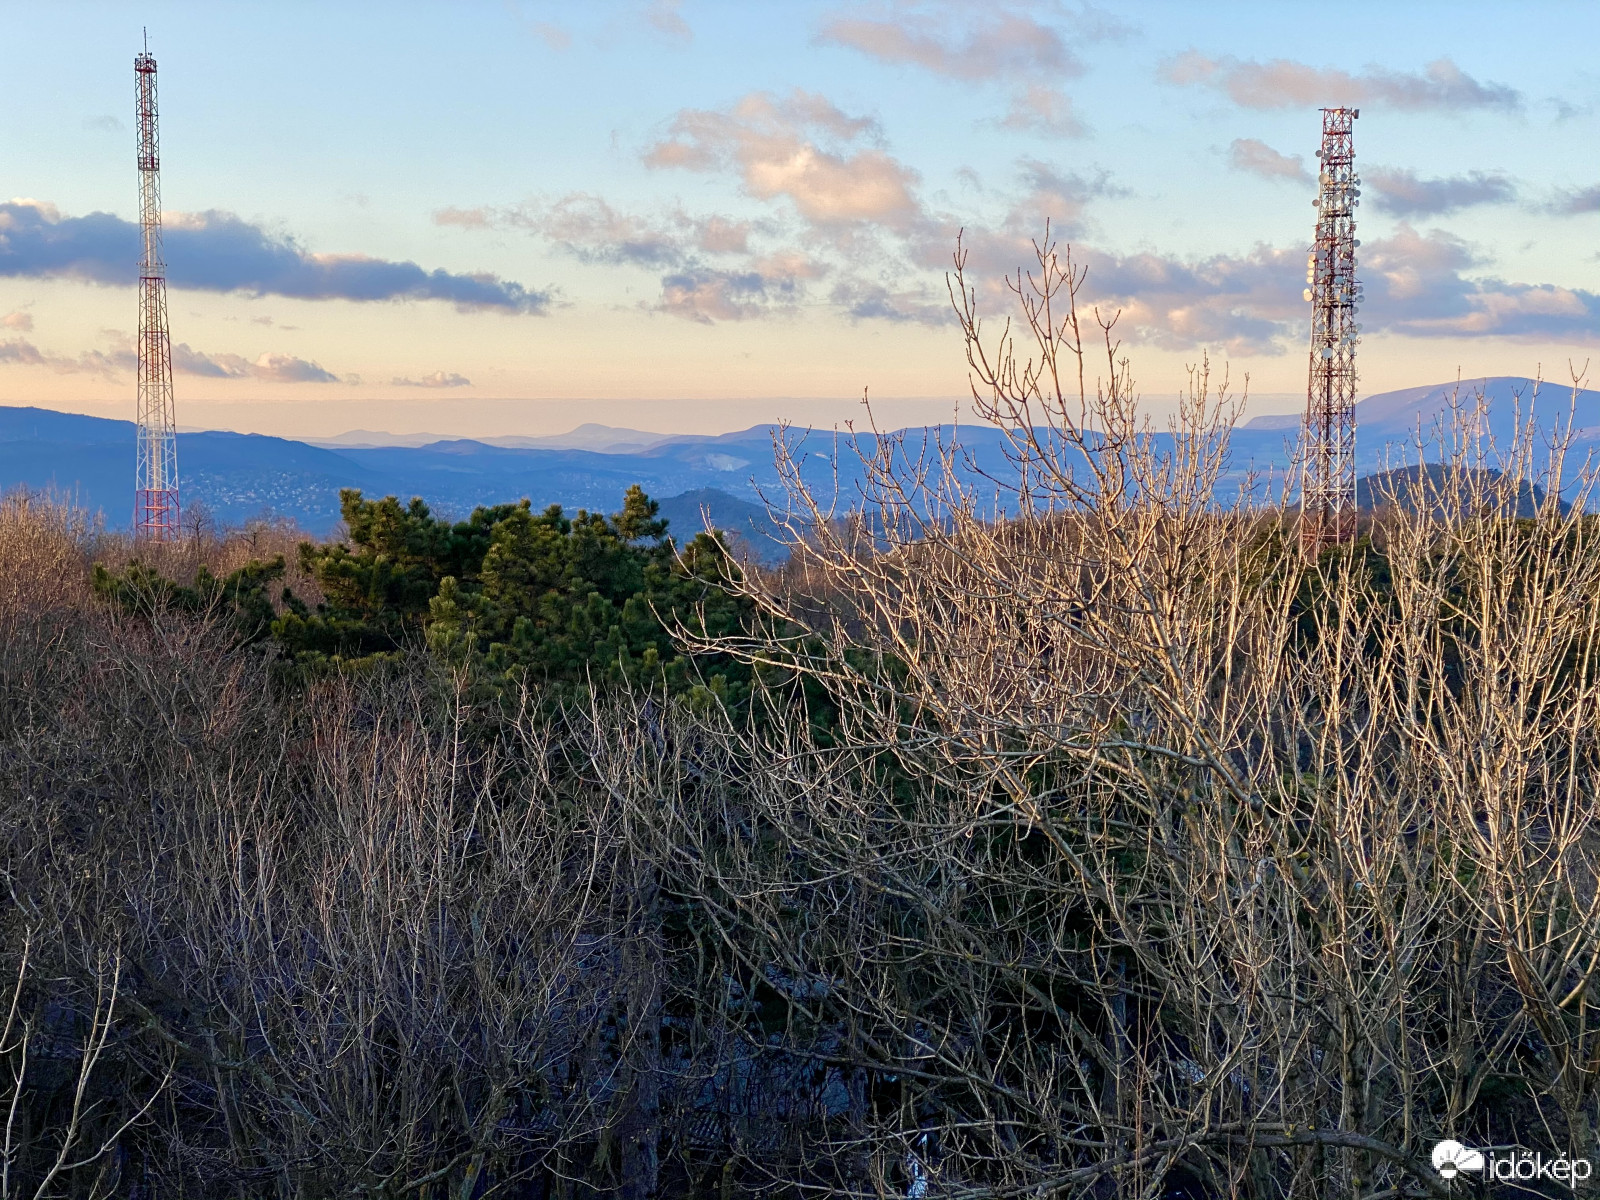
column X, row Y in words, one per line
column 45, row 545
column 220, row 550
column 1150, row 855
column 382, row 951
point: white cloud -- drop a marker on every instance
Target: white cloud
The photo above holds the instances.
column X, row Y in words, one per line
column 998, row 40
column 1399, row 190
column 434, row 379
column 1284, row 83
column 1040, row 108
column 800, row 147
column 1255, row 157
column 666, row 17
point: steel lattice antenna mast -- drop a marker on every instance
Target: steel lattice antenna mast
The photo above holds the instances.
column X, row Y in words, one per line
column 1328, row 442
column 155, row 506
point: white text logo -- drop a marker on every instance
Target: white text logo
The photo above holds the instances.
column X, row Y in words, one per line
column 1451, row 1158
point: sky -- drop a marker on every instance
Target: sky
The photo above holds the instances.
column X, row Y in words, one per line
column 479, row 218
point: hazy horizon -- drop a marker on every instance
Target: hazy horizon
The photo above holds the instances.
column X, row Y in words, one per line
column 511, row 417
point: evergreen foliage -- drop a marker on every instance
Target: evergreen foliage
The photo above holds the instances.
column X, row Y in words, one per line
column 557, row 600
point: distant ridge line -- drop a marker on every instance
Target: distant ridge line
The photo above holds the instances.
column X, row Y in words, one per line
column 239, row 477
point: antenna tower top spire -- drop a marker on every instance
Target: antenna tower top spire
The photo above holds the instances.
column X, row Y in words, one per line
column 155, row 505
column 1328, row 441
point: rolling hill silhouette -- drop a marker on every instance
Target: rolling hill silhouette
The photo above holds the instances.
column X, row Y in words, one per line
column 241, row 476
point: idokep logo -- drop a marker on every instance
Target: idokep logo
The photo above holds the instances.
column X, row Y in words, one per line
column 1451, row 1158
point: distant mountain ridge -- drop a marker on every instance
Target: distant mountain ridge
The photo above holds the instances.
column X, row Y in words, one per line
column 753, row 529
column 608, row 439
column 1399, row 414
column 241, row 476
column 1473, row 491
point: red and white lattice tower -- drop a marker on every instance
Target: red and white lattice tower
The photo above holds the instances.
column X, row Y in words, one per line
column 155, row 506
column 1328, row 441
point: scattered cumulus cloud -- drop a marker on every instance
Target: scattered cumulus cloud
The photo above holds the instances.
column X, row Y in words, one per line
column 1425, row 285
column 218, row 251
column 773, row 283
column 554, row 36
column 465, row 218
column 593, row 231
column 1417, row 285
column 121, row 358
column 713, row 268
column 1245, row 304
column 1576, row 201
column 188, row 361
column 1441, row 86
column 863, row 300
column 1042, row 193
column 269, row 367
column 1255, row 157
column 286, row 368
column 1042, row 109
column 846, row 212
column 19, row 352
column 1402, row 192
column 719, row 235
column 15, row 350
column 1062, row 197
column 20, row 321
column 1000, row 41
column 666, row 17
column 800, row 147
column 698, row 282
column 847, row 228
column 1028, row 47
column 434, row 379
column 709, row 295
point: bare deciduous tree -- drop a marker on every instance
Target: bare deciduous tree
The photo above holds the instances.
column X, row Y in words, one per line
column 1202, row 866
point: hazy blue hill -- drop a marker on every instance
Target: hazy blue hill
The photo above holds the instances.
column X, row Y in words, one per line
column 1411, row 487
column 364, row 439
column 608, row 438
column 89, row 458
column 751, row 526
column 1389, row 423
column 238, row 476
column 1398, row 414
column 47, row 425
column 461, row 474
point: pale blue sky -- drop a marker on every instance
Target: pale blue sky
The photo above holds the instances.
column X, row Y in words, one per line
column 706, row 215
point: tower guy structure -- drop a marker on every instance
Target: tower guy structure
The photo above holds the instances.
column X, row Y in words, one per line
column 1328, row 441
column 155, row 506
